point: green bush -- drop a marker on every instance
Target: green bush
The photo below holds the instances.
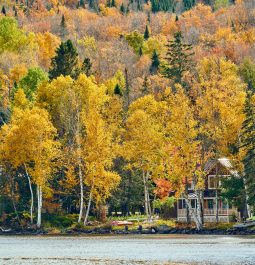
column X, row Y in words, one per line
column 59, row 221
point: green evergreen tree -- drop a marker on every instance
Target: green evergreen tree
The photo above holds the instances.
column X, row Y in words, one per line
column 86, row 67
column 139, row 6
column 109, row 3
column 178, row 58
column 65, row 62
column 188, row 4
column 93, row 4
column 63, row 22
column 3, row 11
column 118, row 90
column 145, row 86
column 113, row 4
column 149, row 17
column 162, row 5
column 146, row 34
column 176, row 18
column 140, row 52
column 122, row 9
column 247, row 72
column 82, row 3
column 248, row 143
column 155, row 63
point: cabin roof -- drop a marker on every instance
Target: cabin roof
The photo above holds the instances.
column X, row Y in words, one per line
column 225, row 162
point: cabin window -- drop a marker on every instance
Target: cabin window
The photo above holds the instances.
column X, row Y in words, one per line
column 182, row 204
column 212, row 182
column 210, row 203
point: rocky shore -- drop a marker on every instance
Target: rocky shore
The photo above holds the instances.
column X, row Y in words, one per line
column 126, row 231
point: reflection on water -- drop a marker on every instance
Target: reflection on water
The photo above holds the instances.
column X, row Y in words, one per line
column 127, row 250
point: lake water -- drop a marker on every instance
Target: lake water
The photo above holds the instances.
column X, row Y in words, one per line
column 127, row 250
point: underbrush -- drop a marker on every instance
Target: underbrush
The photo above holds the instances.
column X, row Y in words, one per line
column 221, row 226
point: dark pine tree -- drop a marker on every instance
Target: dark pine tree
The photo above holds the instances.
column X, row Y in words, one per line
column 82, row 3
column 65, row 62
column 149, row 17
column 162, row 5
column 3, row 10
column 146, row 34
column 176, row 18
column 109, row 3
column 188, row 4
column 139, row 6
column 122, row 9
column 63, row 22
column 93, row 4
column 155, row 62
column 145, row 87
column 248, row 143
column 117, row 90
column 15, row 12
column 178, row 58
column 154, row 6
column 86, row 67
column 140, row 52
column 113, row 3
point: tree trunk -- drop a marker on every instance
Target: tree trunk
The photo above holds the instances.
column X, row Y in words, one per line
column 198, row 194
column 79, row 167
column 32, row 195
column 217, row 206
column 88, row 208
column 186, row 206
column 13, row 199
column 145, row 196
column 39, row 202
column 248, row 208
column 217, row 196
column 148, row 196
column 81, row 195
column 194, row 215
column 202, row 206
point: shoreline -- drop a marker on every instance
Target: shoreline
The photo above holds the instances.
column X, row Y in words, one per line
column 105, row 232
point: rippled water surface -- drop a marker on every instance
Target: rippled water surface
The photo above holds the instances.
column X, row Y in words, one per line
column 127, row 250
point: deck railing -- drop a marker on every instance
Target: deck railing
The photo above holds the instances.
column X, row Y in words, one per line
column 224, row 212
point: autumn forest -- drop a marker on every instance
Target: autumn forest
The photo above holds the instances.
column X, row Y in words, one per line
column 122, row 104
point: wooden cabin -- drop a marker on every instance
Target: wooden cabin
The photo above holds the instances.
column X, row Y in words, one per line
column 216, row 171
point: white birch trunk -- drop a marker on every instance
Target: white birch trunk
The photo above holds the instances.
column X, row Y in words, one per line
column 145, row 196
column 81, row 195
column 88, row 208
column 32, row 195
column 198, row 194
column 247, row 199
column 79, row 168
column 39, row 210
column 194, row 215
column 148, row 196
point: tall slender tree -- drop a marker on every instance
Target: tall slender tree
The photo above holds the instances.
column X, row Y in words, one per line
column 155, row 63
column 146, row 34
column 178, row 58
column 248, row 143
